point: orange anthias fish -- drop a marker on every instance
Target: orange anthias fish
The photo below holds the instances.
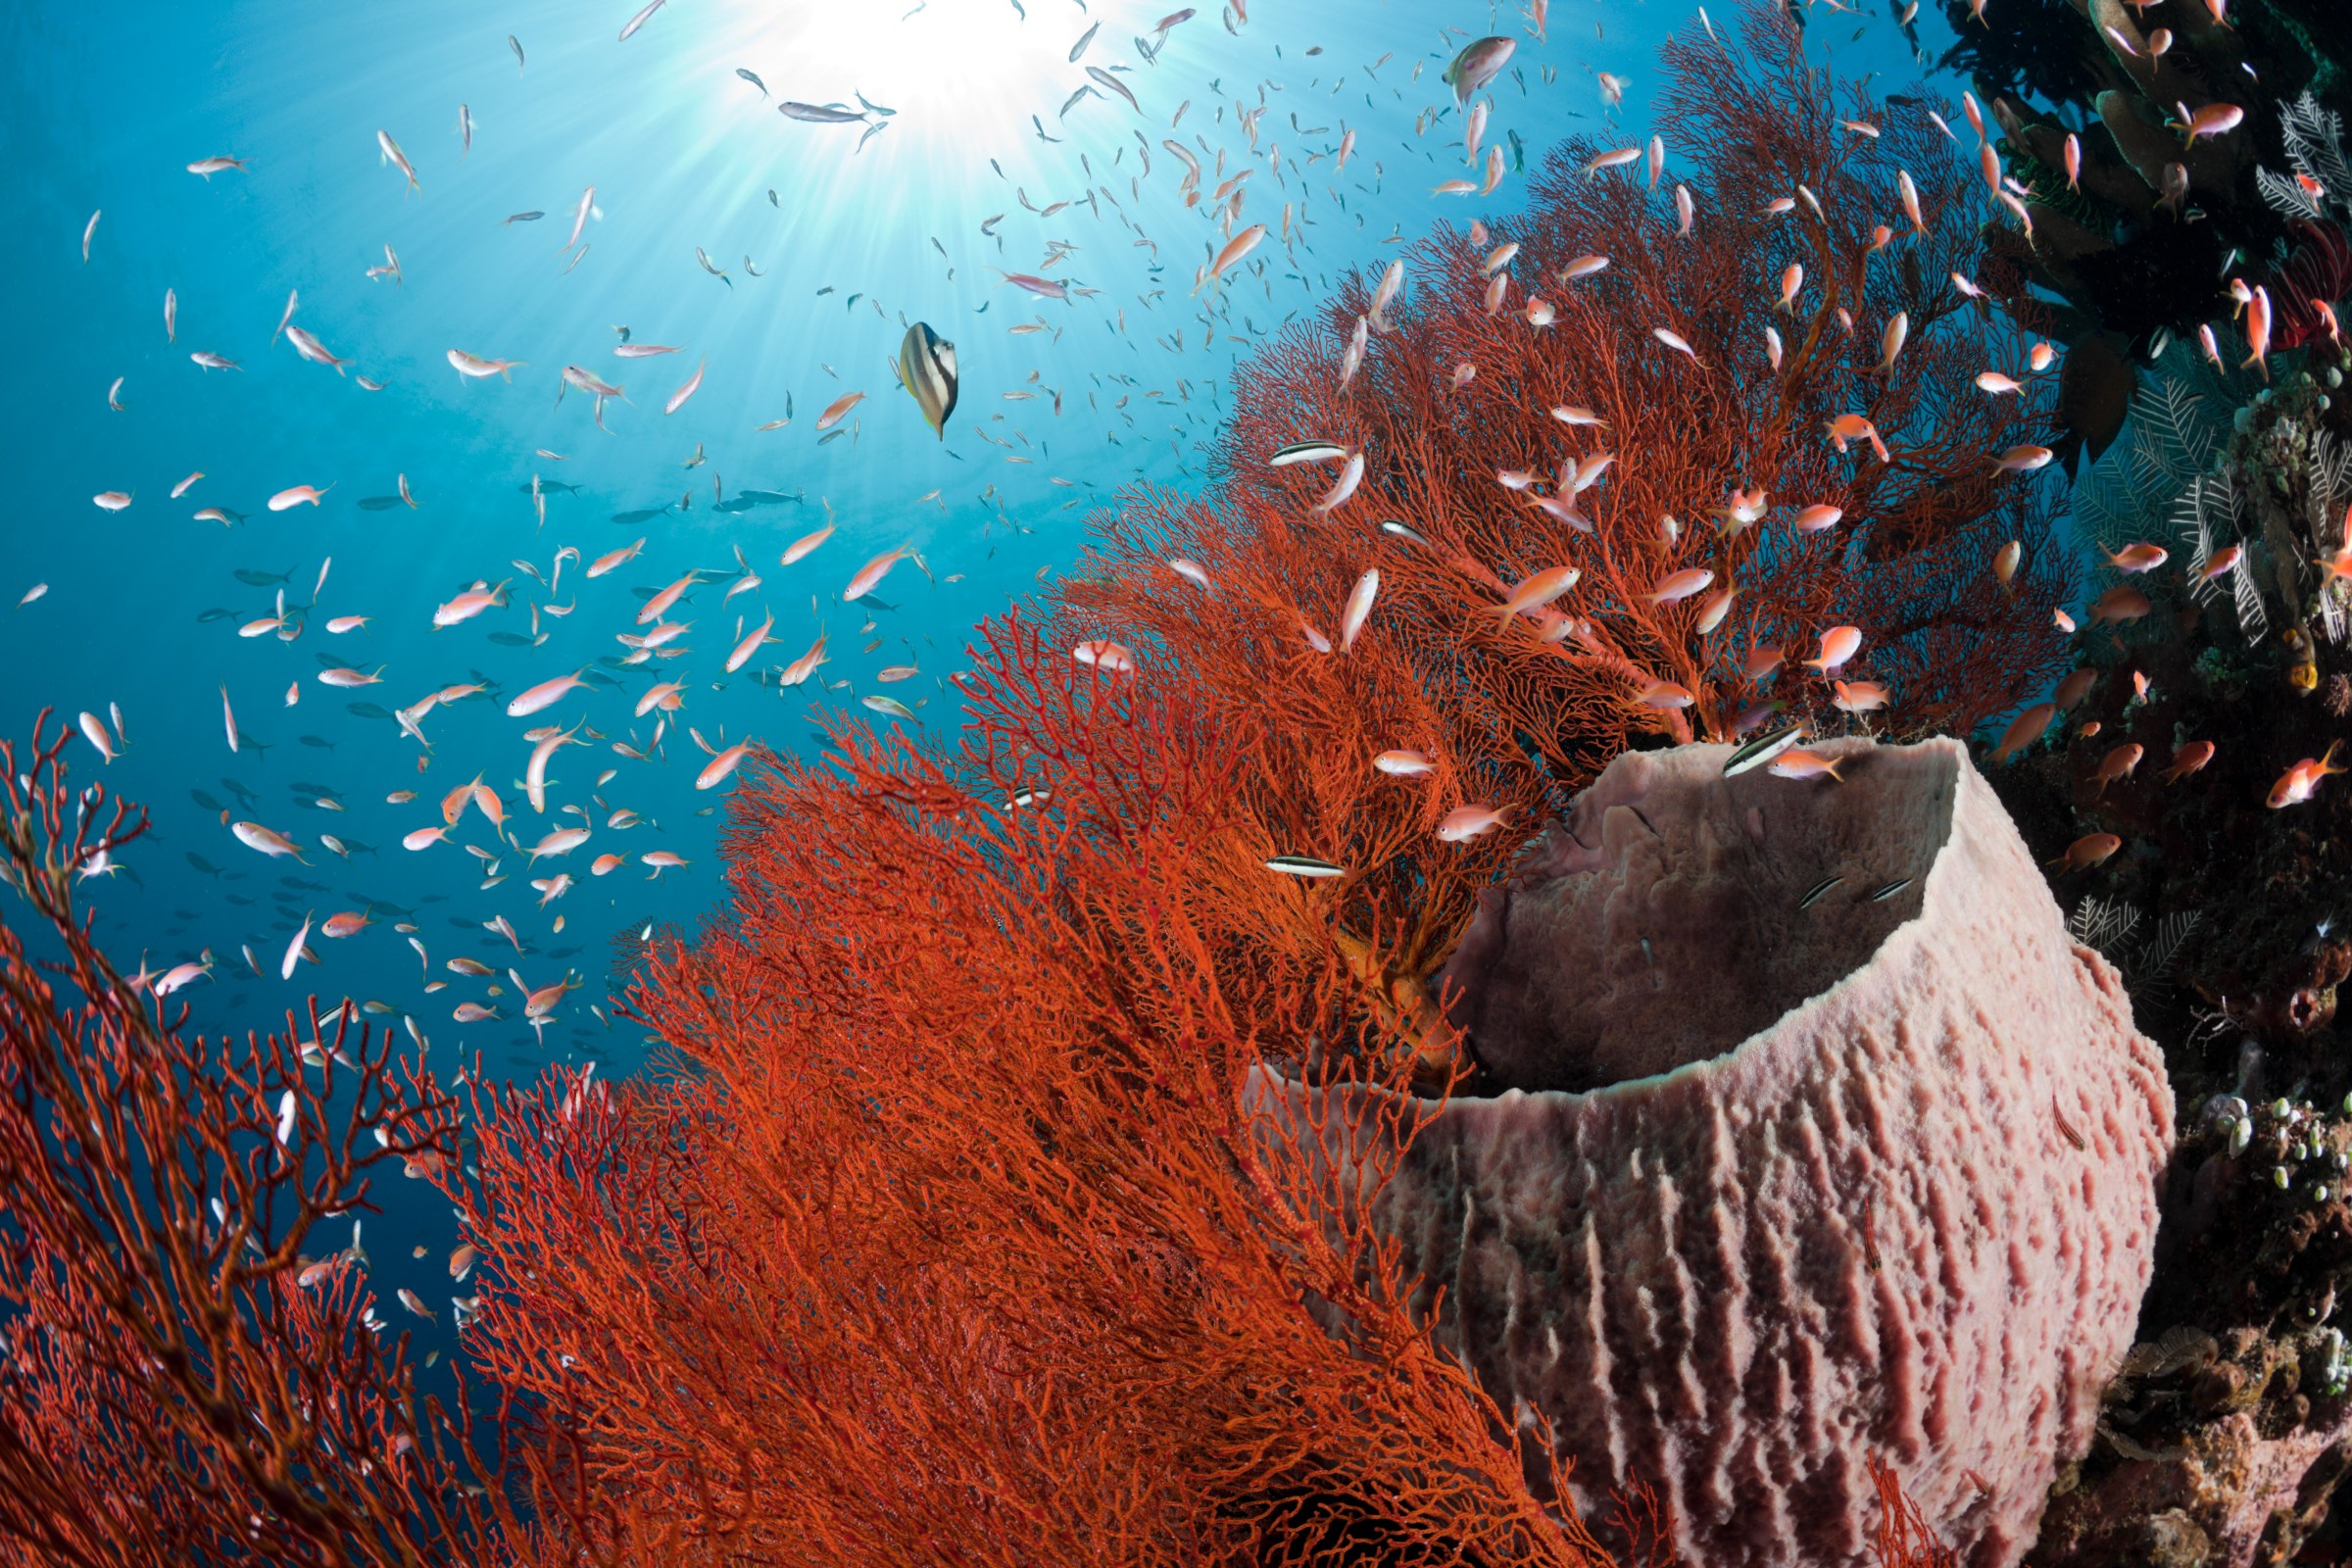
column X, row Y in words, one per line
column 1677, row 586
column 2120, row 604
column 873, row 571
column 1539, row 589
column 2297, row 783
column 1857, row 696
column 2024, row 730
column 1796, row 762
column 1837, row 645
column 2118, row 765
column 2187, row 759
column 2086, row 852
column 2137, row 558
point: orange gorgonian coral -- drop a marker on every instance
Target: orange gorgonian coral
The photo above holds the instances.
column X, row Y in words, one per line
column 179, row 1382
column 948, row 1244
column 1610, row 382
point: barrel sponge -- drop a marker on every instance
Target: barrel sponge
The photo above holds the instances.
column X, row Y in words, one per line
column 1787, row 1178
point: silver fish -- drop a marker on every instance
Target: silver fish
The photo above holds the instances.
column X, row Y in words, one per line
column 1115, row 85
column 516, row 45
column 820, row 113
column 752, row 79
column 641, row 19
column 1084, row 39
column 579, row 218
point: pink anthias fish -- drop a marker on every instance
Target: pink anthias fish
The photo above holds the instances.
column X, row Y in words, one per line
column 870, row 576
column 546, row 694
column 1465, row 822
column 475, row 367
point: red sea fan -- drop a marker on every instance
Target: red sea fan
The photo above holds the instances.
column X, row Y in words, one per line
column 1484, row 472
column 948, row 1244
column 2317, row 273
column 168, row 1391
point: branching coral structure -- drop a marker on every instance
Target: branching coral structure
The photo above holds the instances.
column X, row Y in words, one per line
column 1725, row 410
column 182, row 1380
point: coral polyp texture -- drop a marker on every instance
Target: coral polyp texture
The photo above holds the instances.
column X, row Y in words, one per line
column 1825, row 1174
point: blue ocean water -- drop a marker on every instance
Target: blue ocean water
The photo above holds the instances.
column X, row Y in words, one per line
column 782, row 259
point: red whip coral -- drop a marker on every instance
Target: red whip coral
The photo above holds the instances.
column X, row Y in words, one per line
column 168, row 1394
column 1855, row 1153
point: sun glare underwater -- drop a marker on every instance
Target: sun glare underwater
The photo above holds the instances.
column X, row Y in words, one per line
column 575, row 197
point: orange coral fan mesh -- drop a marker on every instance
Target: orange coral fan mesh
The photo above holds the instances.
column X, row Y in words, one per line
column 1904, row 1539
column 949, row 1241
column 1486, row 473
column 169, row 1393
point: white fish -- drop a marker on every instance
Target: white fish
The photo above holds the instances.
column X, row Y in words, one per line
column 228, row 718
column 1354, row 360
column 254, row 836
column 640, row 20
column 1359, row 607
column 285, row 965
column 1674, row 341
column 297, row 495
column 579, row 218
column 1351, row 476
column 534, row 778
column 392, row 153
column 693, row 385
column 93, row 730
column 1390, row 281
column 170, row 316
column 475, row 367
column 87, row 229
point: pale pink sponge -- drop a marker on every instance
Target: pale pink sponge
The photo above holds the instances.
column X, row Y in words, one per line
column 1787, row 1185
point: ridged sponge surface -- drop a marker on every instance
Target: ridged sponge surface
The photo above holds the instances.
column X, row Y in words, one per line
column 1789, row 1184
